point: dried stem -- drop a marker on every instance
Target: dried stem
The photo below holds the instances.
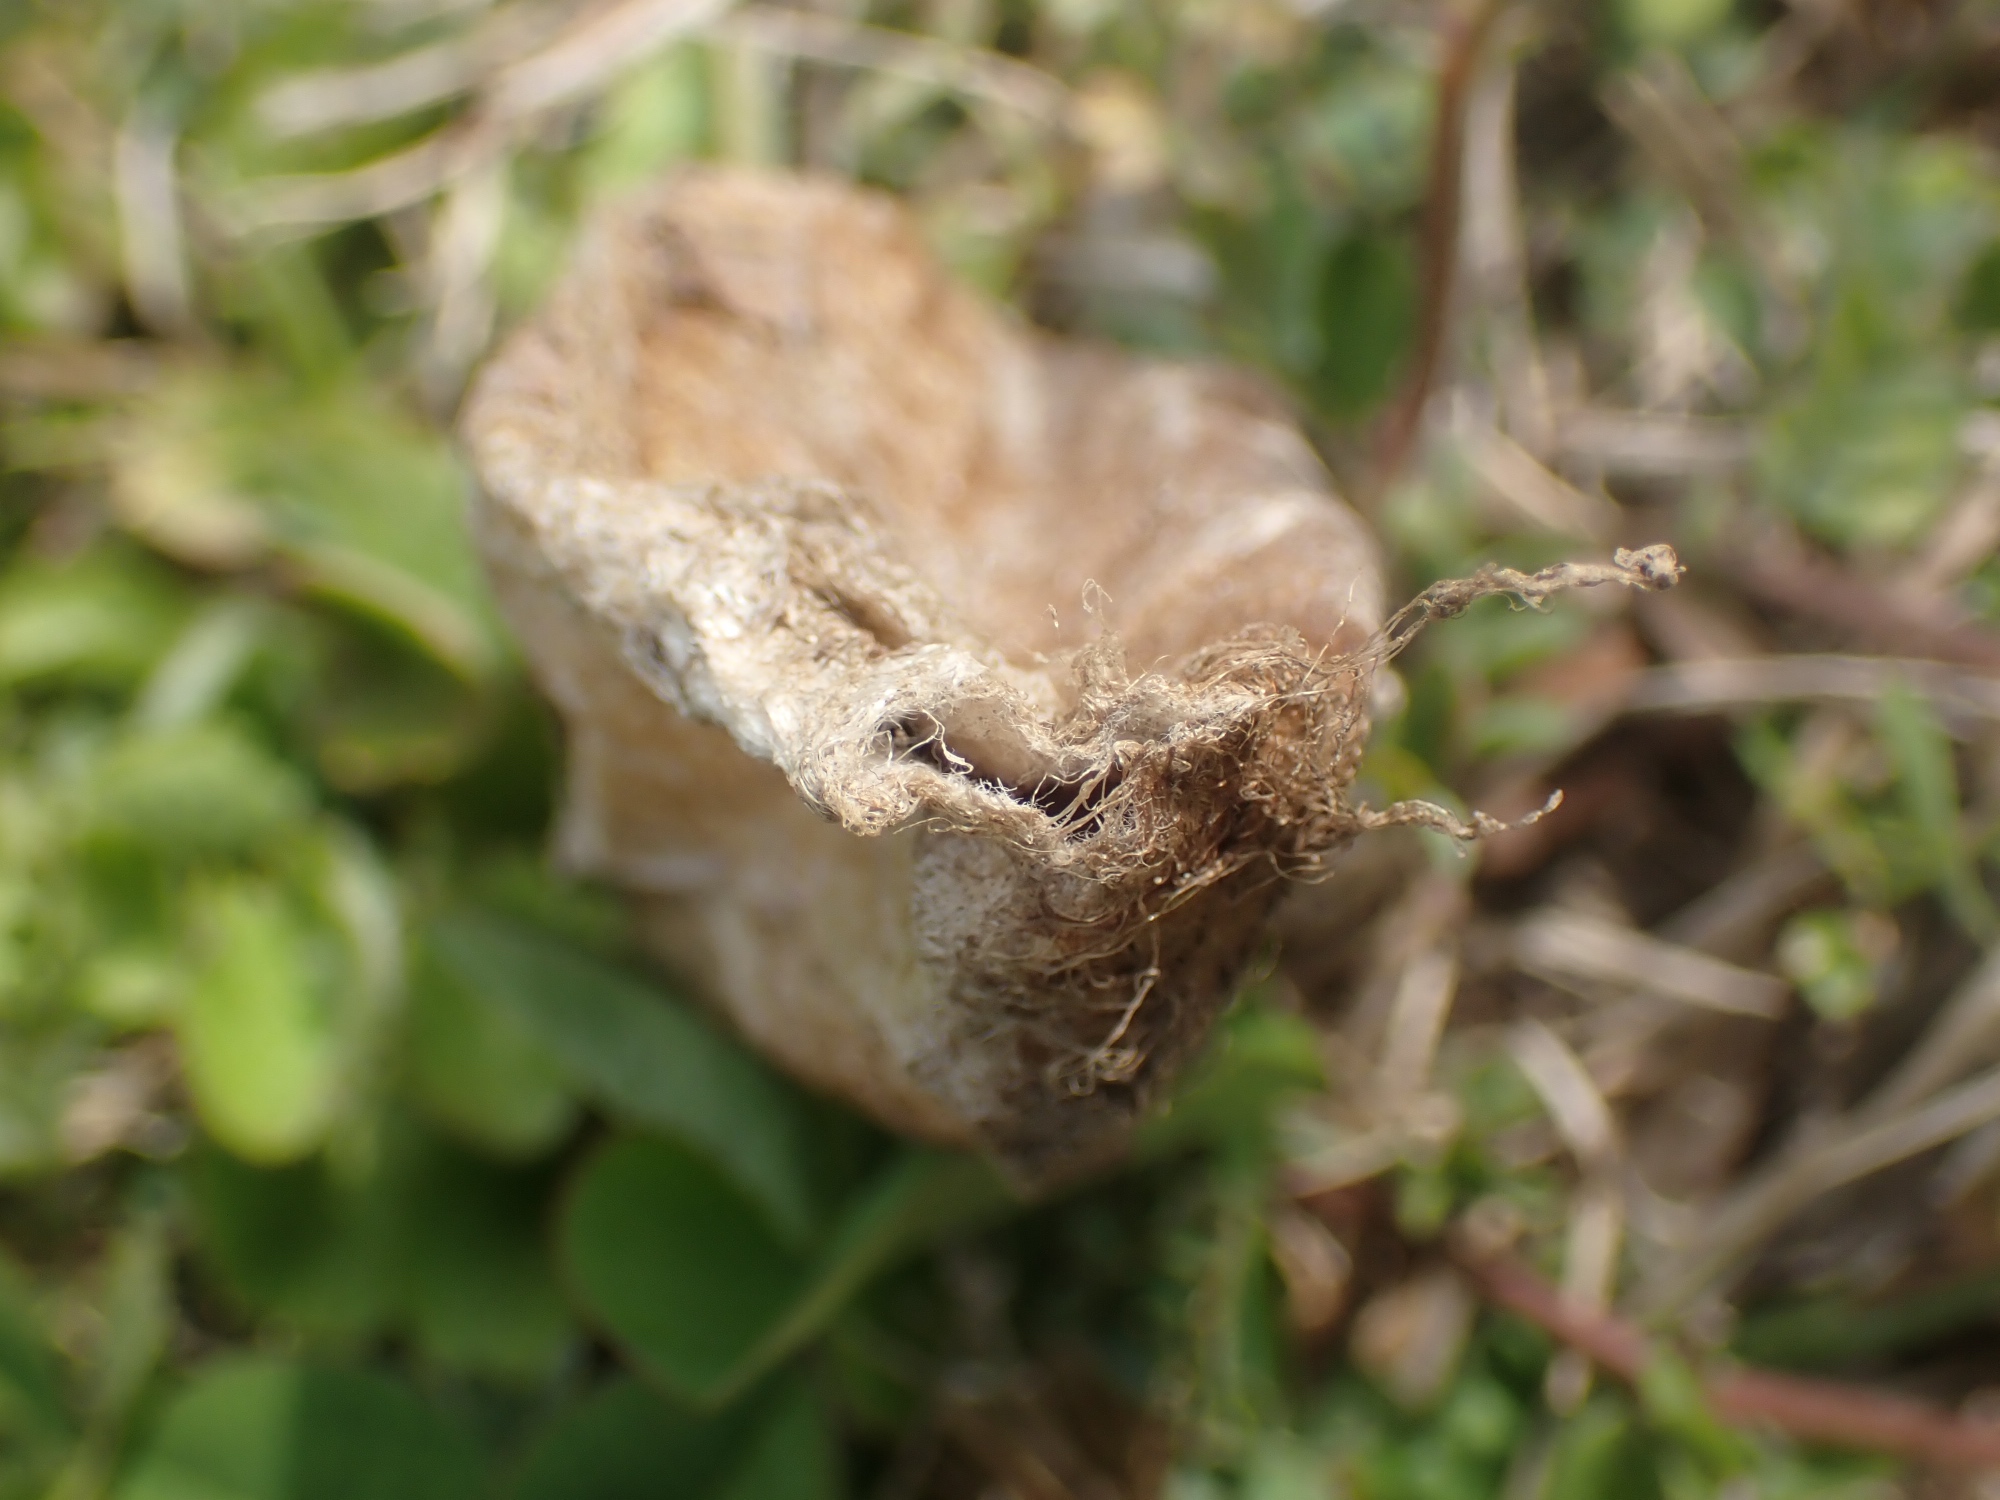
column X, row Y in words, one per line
column 1653, row 568
column 1780, row 569
column 152, row 240
column 1568, row 947
column 1816, row 1411
column 341, row 97
column 1856, row 1148
column 1464, row 41
column 580, row 59
column 1416, row 813
column 1965, row 701
column 513, row 84
column 971, row 72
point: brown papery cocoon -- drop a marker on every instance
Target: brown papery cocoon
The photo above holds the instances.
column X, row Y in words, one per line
column 955, row 699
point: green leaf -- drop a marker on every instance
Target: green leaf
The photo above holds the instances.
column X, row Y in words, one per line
column 226, row 466
column 657, row 115
column 138, row 1311
column 1523, row 726
column 1224, row 1334
column 203, row 664
column 285, row 293
column 1675, row 1403
column 38, row 1071
column 404, row 1232
column 384, row 716
column 1495, row 638
column 1258, row 1057
column 1824, row 1333
column 680, row 1266
column 625, row 1442
column 386, row 594
column 132, row 986
column 1601, row 1453
column 1281, row 1467
column 1271, row 275
column 1369, row 130
column 204, row 791
column 256, row 1428
column 643, row 1057
column 100, row 621
column 1928, row 781
column 1671, row 23
column 257, row 1036
column 794, row 1455
column 482, row 1292
column 920, row 1199
column 171, row 482
column 1979, row 295
column 299, row 1246
column 33, row 1411
column 1869, row 450
column 1367, row 312
column 1482, row 1419
column 371, row 505
column 356, row 892
column 477, row 1071
column 1836, row 959
column 133, row 1304
column 677, row 1265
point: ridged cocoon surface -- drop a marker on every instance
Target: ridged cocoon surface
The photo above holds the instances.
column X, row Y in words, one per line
column 955, row 698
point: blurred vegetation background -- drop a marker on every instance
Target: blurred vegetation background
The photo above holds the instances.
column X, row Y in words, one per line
column 348, row 1150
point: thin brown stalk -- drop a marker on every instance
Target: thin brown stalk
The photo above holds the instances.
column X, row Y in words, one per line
column 1654, row 445
column 152, row 239
column 1464, row 40
column 1964, row 700
column 1533, row 492
column 974, row 73
column 1568, row 1094
column 1565, row 947
column 1650, row 568
column 582, row 58
column 1964, row 538
column 63, row 369
column 1417, row 1018
column 1855, row 1148
column 593, row 50
column 1815, row 1411
column 1780, row 570
column 1730, row 919
column 404, row 178
column 337, row 98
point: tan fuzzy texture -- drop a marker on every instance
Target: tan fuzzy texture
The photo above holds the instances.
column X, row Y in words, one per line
column 955, row 698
